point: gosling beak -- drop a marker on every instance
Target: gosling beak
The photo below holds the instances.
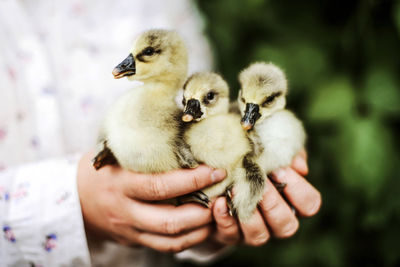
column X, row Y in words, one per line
column 125, row 68
column 192, row 110
column 251, row 115
column 187, row 117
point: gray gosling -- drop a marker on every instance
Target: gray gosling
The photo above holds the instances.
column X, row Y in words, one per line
column 142, row 131
column 217, row 139
column 278, row 135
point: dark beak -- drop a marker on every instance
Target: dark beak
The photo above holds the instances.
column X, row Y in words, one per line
column 251, row 115
column 192, row 110
column 125, row 68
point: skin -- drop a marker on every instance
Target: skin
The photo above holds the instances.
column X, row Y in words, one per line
column 116, row 205
column 274, row 216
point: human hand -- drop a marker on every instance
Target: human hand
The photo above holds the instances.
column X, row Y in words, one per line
column 116, row 205
column 274, row 215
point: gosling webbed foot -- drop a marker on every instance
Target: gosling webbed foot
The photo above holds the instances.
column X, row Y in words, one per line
column 189, row 164
column 231, row 209
column 104, row 157
column 184, row 155
column 279, row 186
column 195, row 197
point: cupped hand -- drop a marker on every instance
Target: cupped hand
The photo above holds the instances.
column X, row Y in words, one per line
column 274, row 215
column 116, row 204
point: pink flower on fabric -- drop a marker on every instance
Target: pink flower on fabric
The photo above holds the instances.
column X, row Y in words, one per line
column 12, row 73
column 3, row 133
column 63, row 197
column 8, row 234
column 78, row 9
column 21, row 191
column 50, row 243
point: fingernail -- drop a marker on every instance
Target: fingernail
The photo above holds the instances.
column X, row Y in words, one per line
column 223, row 210
column 290, row 228
column 280, row 173
column 218, row 175
column 315, row 205
column 301, row 163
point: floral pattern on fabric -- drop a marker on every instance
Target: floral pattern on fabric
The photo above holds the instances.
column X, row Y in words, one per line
column 56, row 59
column 8, row 233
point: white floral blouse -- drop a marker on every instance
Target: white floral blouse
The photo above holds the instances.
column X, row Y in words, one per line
column 56, row 59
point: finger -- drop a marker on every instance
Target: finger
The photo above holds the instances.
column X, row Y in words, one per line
column 254, row 230
column 171, row 184
column 300, row 193
column 126, row 237
column 167, row 219
column 303, row 153
column 227, row 227
column 174, row 243
column 277, row 214
column 299, row 163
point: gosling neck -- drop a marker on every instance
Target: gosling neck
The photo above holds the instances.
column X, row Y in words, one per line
column 168, row 83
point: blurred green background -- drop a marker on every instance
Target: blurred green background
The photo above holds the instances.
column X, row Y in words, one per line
column 342, row 60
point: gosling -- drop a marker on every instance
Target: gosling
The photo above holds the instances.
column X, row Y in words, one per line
column 278, row 135
column 217, row 139
column 142, row 130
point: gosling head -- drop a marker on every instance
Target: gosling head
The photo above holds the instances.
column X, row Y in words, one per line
column 205, row 94
column 263, row 92
column 156, row 55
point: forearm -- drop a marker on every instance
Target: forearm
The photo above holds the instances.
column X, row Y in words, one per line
column 41, row 216
column 206, row 252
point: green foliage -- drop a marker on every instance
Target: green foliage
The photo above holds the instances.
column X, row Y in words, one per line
column 342, row 60
column 333, row 101
column 382, row 92
column 364, row 147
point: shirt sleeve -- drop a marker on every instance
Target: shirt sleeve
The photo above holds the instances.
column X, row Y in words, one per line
column 40, row 215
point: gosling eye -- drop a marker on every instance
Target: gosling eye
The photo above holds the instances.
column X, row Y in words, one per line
column 271, row 98
column 148, row 51
column 210, row 95
column 242, row 99
column 184, row 101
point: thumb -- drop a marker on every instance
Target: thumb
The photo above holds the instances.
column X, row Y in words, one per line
column 171, row 184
